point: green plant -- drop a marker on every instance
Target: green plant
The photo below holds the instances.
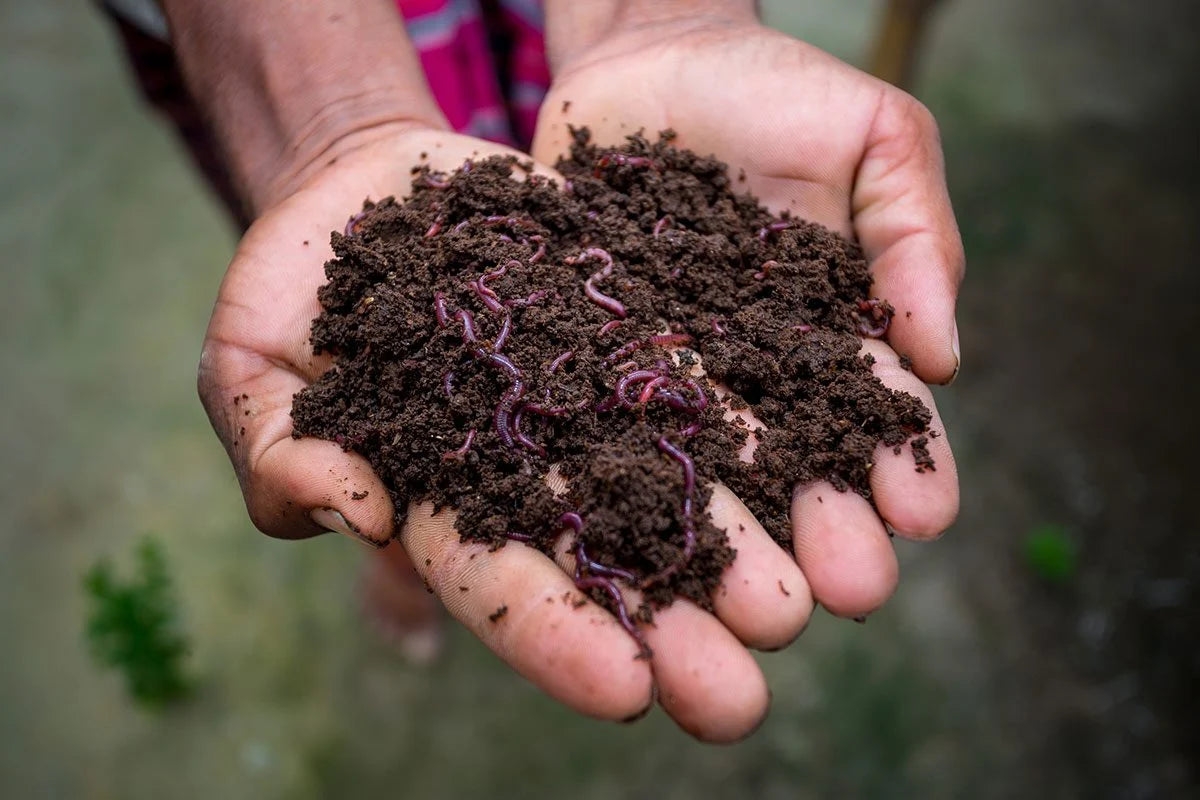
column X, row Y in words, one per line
column 133, row 627
column 1050, row 553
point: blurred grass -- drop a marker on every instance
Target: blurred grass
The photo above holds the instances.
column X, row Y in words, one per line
column 112, row 255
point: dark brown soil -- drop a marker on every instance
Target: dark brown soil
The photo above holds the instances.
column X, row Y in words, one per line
column 773, row 308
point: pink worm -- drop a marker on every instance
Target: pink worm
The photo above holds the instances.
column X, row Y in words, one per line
column 461, row 452
column 775, row 227
column 609, row 327
column 689, row 528
column 439, row 309
column 610, row 304
column 541, row 249
column 765, row 269
column 560, row 360
column 352, row 223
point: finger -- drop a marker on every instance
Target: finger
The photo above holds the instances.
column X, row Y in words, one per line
column 843, row 550
column 763, row 598
column 294, row 488
column 904, row 221
column 918, row 505
column 523, row 607
column 706, row 679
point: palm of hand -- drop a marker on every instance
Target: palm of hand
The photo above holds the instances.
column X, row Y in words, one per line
column 820, row 140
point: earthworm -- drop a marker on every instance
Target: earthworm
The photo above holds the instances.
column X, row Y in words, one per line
column 628, row 365
column 545, row 411
column 448, row 383
column 572, row 520
column 434, row 183
column 499, row 272
column 504, row 409
column 561, row 359
column 717, row 327
column 585, row 564
column 803, row 328
column 662, row 225
column 534, row 297
column 352, row 223
column 775, row 227
column 486, row 296
column 541, row 248
column 502, row 337
column 765, row 269
column 468, row 323
column 876, row 325
column 622, row 160
column 651, row 387
column 439, row 309
column 689, row 528
column 461, row 452
column 691, row 430
column 610, row 304
column 515, row 222
column 598, row 582
column 701, row 398
column 520, row 436
column 637, row 376
column 435, row 228
column 609, row 327
column 459, row 227
column 659, row 340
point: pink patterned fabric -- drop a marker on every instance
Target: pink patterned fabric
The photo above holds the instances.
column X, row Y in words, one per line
column 485, row 62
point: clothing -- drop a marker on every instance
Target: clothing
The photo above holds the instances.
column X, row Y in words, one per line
column 484, row 60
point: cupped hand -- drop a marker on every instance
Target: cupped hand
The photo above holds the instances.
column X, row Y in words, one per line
column 819, row 139
column 257, row 355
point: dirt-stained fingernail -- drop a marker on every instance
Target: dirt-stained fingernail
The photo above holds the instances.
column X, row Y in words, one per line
column 954, row 348
column 332, row 520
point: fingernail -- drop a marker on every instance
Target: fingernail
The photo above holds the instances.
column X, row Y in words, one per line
column 954, row 349
column 860, row 620
column 332, row 520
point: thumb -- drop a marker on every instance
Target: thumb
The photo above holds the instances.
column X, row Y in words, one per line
column 293, row 488
column 903, row 219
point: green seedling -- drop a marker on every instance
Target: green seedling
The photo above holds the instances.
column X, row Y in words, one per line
column 133, row 627
column 1050, row 553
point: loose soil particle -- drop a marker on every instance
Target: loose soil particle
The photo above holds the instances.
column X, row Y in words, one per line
column 773, row 308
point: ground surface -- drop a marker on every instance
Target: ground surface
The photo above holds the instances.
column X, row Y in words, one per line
column 1074, row 169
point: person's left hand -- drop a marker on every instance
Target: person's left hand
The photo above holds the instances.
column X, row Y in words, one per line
column 828, row 143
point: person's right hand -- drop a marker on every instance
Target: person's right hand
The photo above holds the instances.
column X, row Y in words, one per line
column 257, row 355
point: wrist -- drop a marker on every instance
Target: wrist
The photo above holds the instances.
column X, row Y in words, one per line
column 573, row 28
column 288, row 87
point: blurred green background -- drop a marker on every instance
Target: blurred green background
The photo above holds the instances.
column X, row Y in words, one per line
column 1043, row 648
